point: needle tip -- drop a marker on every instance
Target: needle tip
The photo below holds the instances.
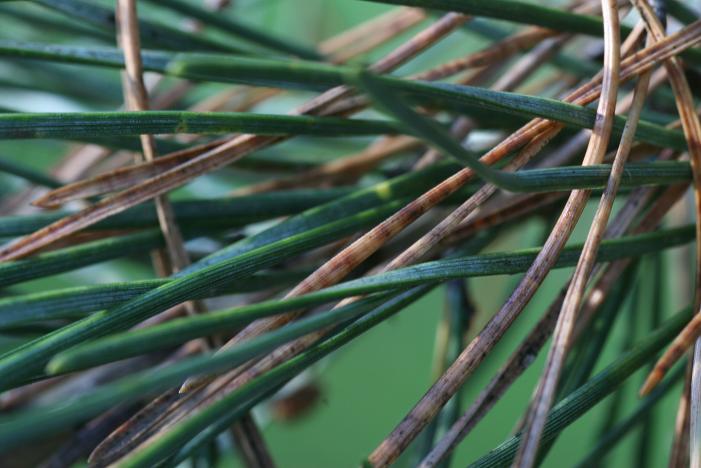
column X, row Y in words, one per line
column 651, row 382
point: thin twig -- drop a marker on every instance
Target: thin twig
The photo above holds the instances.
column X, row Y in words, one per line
column 679, row 454
column 137, row 99
column 566, row 321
